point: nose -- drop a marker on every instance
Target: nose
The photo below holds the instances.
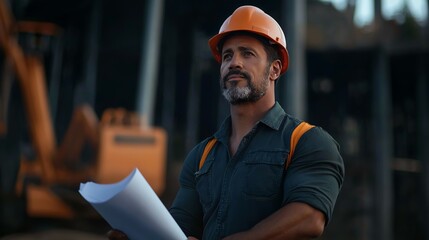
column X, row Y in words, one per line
column 235, row 62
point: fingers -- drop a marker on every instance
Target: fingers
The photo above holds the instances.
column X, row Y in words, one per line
column 115, row 234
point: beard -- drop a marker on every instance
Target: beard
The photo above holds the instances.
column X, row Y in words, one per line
column 250, row 93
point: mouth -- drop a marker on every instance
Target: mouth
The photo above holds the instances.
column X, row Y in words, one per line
column 235, row 77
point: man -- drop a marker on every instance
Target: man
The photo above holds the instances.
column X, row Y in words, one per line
column 244, row 188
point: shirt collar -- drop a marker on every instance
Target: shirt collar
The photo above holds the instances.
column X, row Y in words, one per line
column 272, row 119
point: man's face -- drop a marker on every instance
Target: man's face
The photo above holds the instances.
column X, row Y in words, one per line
column 244, row 70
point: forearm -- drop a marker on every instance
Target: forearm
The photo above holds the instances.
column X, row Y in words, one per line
column 294, row 221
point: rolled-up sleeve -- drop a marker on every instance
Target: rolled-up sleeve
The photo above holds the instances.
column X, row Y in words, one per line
column 316, row 174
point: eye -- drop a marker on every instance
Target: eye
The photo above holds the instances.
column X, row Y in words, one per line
column 248, row 53
column 226, row 56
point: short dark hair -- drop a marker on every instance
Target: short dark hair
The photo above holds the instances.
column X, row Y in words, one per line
column 271, row 49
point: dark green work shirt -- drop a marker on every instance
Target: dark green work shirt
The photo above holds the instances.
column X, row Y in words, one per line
column 230, row 194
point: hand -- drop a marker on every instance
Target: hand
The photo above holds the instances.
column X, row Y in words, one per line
column 192, row 238
column 115, row 234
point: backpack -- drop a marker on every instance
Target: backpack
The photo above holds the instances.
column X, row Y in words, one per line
column 299, row 130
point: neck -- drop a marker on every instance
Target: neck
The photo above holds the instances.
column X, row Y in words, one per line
column 245, row 116
column 243, row 119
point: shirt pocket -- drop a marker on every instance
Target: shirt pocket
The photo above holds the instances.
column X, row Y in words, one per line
column 203, row 179
column 264, row 174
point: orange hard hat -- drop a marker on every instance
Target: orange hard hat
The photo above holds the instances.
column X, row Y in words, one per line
column 254, row 20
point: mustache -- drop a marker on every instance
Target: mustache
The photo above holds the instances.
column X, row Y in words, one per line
column 236, row 72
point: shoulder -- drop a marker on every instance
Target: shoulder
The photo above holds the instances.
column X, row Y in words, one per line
column 313, row 137
column 193, row 158
column 191, row 163
column 317, row 138
column 318, row 148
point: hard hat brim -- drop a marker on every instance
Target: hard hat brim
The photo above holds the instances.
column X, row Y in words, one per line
column 215, row 40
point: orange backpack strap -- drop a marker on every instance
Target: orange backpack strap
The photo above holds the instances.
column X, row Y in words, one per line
column 299, row 130
column 206, row 151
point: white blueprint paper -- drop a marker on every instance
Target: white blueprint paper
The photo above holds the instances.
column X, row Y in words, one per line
column 133, row 207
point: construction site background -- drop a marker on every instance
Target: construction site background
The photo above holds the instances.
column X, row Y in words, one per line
column 76, row 74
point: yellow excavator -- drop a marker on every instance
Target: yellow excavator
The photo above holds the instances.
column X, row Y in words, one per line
column 120, row 139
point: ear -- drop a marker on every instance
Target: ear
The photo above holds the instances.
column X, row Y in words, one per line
column 275, row 69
